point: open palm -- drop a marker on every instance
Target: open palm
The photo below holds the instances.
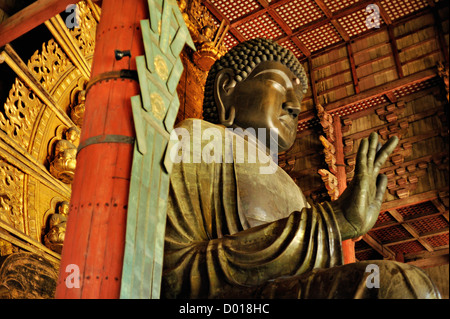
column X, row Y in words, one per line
column 358, row 207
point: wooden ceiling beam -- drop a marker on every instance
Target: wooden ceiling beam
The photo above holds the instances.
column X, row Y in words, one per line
column 392, row 39
column 285, row 27
column 430, row 262
column 335, row 16
column 439, row 251
column 422, row 236
column 344, row 35
column 373, row 92
column 386, row 252
column 324, row 8
column 340, row 30
column 413, row 199
column 383, row 89
column 369, row 32
column 440, row 34
column 395, row 52
column 30, row 17
column 399, row 218
column 441, row 208
column 353, row 68
column 383, row 13
column 431, row 90
column 256, row 13
column 407, row 220
column 312, row 80
column 219, row 16
column 410, row 118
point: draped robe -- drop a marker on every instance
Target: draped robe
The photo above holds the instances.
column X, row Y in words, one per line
column 233, row 232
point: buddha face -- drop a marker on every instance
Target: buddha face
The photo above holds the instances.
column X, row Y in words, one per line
column 71, row 135
column 64, row 208
column 268, row 98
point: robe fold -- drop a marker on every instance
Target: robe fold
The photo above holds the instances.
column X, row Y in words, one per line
column 239, row 227
column 231, row 229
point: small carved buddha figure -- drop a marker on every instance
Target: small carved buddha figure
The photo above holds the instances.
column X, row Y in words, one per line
column 207, row 35
column 64, row 161
column 77, row 113
column 57, row 228
column 182, row 4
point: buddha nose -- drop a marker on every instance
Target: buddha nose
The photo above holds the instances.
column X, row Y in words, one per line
column 292, row 105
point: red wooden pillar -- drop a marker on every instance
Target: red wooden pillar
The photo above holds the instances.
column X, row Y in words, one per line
column 348, row 246
column 95, row 236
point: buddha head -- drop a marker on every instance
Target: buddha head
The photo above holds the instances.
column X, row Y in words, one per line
column 81, row 97
column 258, row 84
column 64, row 208
column 72, row 134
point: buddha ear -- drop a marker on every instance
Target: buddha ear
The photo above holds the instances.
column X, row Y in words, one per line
column 224, row 85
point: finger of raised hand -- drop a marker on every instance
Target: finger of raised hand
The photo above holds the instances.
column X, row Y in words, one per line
column 373, row 145
column 381, row 188
column 375, row 206
column 361, row 157
column 383, row 154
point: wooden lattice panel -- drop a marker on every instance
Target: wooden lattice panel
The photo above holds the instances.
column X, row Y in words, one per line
column 418, row 209
column 291, row 46
column 399, row 8
column 408, row 247
column 319, row 38
column 334, row 5
column 415, row 87
column 360, row 106
column 362, row 245
column 439, row 240
column 389, row 234
column 367, row 255
column 235, row 9
column 429, row 224
column 384, row 217
column 355, row 23
column 260, row 27
column 299, row 12
column 306, row 125
column 230, row 41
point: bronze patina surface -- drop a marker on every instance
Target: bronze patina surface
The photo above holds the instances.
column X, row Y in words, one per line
column 233, row 232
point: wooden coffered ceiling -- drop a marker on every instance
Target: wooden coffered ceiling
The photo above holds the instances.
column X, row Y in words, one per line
column 358, row 74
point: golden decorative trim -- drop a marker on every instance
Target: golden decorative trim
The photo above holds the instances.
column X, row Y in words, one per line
column 22, row 71
column 11, row 195
column 157, row 104
column 96, row 11
column 21, row 109
column 161, row 68
column 30, row 166
column 85, row 34
column 65, row 39
column 49, row 65
column 21, row 240
column 207, row 36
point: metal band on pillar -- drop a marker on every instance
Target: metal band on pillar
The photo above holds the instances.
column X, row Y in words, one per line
column 112, row 75
column 105, row 139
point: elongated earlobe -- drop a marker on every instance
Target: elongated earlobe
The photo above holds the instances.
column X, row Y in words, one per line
column 223, row 89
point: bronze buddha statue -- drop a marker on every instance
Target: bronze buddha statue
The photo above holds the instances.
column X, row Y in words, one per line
column 233, row 232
